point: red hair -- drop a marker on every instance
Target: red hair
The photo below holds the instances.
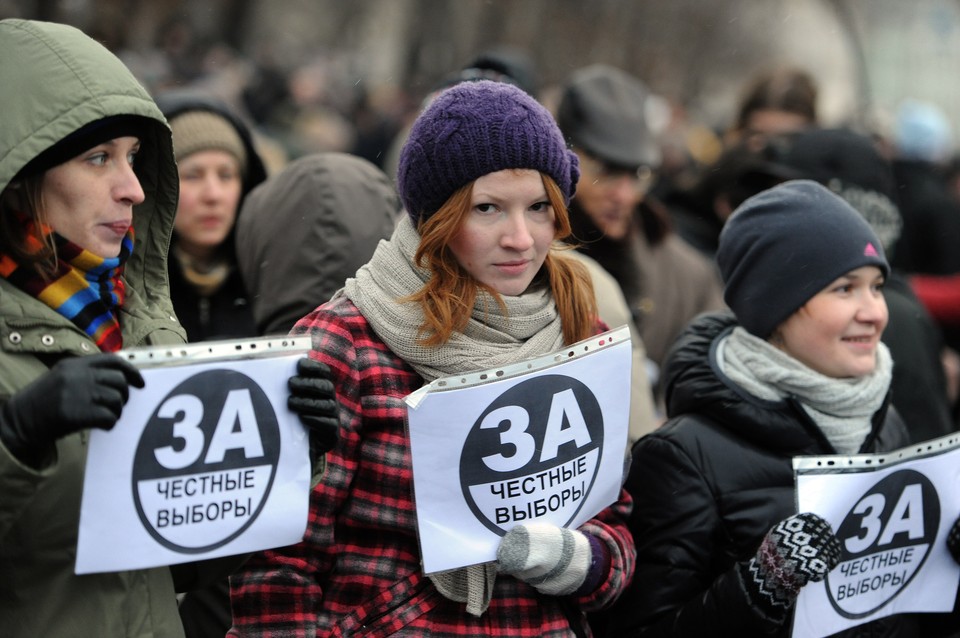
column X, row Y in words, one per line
column 449, row 295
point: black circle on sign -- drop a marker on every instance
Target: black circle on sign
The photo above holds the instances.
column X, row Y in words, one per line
column 211, row 388
column 535, row 397
column 891, row 488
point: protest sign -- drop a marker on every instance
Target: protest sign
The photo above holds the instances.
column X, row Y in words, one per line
column 205, row 461
column 891, row 513
column 539, row 440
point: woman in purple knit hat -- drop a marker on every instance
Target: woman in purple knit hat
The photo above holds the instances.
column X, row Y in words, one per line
column 471, row 279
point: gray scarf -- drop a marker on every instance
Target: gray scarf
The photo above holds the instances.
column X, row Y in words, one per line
column 530, row 327
column 841, row 408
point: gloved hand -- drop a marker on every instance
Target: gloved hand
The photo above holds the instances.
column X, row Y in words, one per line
column 78, row 393
column 555, row 560
column 797, row 550
column 953, row 540
column 314, row 399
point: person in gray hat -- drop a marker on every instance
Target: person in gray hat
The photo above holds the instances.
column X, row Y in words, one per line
column 665, row 281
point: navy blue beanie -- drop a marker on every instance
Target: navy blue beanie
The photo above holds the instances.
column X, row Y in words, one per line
column 476, row 128
column 786, row 244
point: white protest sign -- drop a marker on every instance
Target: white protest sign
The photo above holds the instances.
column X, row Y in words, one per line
column 891, row 513
column 205, row 461
column 543, row 439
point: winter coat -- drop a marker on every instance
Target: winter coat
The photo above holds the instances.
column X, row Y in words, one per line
column 358, row 570
column 67, row 81
column 707, row 486
column 306, row 230
column 665, row 280
column 225, row 314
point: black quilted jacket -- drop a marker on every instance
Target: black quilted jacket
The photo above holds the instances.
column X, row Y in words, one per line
column 707, row 486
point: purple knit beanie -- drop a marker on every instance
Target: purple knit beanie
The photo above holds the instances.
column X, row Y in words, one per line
column 476, row 128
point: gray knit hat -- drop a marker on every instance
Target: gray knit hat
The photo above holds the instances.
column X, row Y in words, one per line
column 784, row 245
column 473, row 129
column 198, row 130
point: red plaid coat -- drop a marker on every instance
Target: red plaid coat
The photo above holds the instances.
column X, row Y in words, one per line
column 357, row 572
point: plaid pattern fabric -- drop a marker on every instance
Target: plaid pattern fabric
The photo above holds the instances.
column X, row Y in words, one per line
column 357, row 571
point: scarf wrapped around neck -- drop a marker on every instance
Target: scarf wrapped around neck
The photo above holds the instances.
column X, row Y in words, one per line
column 530, row 327
column 85, row 288
column 842, row 408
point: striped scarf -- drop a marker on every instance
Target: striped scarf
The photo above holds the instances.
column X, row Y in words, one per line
column 86, row 289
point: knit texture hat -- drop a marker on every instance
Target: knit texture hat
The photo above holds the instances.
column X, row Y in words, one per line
column 195, row 131
column 473, row 129
column 85, row 138
column 786, row 244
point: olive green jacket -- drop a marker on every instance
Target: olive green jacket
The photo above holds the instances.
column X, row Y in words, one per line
column 55, row 80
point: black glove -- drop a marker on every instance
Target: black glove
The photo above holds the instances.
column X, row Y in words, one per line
column 953, row 540
column 798, row 550
column 313, row 398
column 78, row 393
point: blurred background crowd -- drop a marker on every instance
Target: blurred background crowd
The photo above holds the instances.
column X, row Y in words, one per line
column 336, row 75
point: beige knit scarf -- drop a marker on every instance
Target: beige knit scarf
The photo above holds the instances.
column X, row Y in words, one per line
column 530, row 327
column 842, row 408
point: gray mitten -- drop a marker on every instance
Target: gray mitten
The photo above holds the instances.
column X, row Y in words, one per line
column 555, row 560
column 798, row 550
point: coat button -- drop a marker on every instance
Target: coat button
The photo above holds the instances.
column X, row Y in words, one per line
column 15, row 337
column 47, row 340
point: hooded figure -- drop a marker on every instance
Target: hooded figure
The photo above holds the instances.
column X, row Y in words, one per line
column 63, row 91
column 306, row 230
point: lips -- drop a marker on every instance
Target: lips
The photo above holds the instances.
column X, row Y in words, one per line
column 119, row 228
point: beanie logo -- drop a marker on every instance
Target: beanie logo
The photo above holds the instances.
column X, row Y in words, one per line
column 870, row 251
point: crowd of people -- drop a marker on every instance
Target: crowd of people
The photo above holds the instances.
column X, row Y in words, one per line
column 794, row 293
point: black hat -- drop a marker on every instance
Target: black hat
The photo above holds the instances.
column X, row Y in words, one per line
column 786, row 244
column 84, row 138
column 850, row 165
column 602, row 111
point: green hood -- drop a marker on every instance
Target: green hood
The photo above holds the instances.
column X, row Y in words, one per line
column 57, row 80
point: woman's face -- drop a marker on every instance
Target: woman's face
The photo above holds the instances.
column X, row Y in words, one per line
column 508, row 231
column 210, row 189
column 836, row 333
column 89, row 199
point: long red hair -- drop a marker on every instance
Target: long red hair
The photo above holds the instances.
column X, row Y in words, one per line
column 449, row 295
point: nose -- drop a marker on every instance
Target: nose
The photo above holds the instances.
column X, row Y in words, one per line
column 128, row 187
column 516, row 233
column 622, row 190
column 873, row 308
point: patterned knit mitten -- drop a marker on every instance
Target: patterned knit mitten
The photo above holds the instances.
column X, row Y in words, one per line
column 797, row 550
column 953, row 540
column 555, row 560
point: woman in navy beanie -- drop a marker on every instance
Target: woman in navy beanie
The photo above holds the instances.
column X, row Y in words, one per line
column 472, row 278
column 798, row 368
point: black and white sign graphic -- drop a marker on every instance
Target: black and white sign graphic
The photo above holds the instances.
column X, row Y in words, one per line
column 205, row 461
column 884, row 541
column 542, row 437
column 544, row 444
column 891, row 514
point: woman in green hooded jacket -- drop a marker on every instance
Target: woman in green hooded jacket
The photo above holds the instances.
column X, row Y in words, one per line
column 88, row 194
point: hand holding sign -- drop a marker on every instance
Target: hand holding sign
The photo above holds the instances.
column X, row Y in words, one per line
column 796, row 551
column 555, row 560
column 314, row 400
column 78, row 393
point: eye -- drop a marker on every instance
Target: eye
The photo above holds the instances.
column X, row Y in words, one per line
column 843, row 288
column 541, row 207
column 485, row 209
column 98, row 159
